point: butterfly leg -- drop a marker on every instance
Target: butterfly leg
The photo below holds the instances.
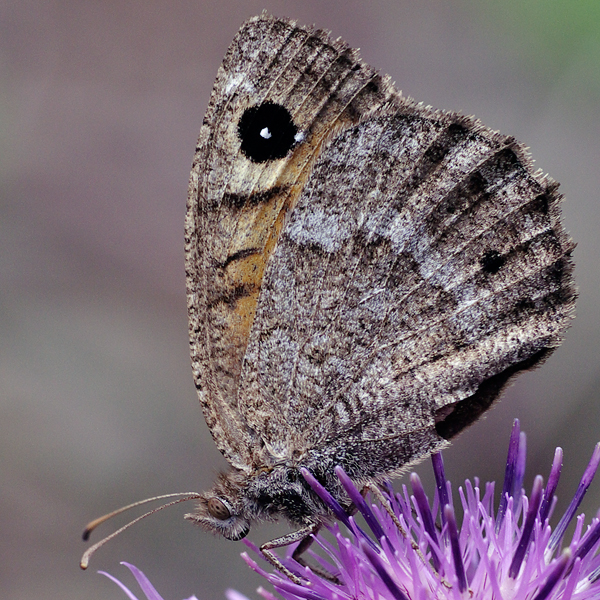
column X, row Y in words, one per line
column 371, row 487
column 285, row 540
column 302, row 547
column 388, row 508
column 306, row 538
column 305, row 544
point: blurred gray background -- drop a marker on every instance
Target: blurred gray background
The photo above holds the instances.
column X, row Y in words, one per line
column 100, row 106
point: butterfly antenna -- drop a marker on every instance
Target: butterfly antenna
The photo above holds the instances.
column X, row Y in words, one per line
column 85, row 559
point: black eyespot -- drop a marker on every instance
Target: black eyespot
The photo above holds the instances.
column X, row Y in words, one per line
column 267, row 132
column 492, row 261
column 218, row 510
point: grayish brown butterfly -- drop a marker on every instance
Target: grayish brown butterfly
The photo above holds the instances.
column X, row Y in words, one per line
column 365, row 275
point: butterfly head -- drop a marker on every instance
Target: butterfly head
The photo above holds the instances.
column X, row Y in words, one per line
column 222, row 510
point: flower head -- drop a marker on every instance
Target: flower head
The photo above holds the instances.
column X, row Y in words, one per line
column 417, row 550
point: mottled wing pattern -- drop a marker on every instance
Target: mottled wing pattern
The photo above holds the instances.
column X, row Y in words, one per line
column 423, row 265
column 237, row 208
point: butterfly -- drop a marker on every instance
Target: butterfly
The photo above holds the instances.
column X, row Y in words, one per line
column 364, row 275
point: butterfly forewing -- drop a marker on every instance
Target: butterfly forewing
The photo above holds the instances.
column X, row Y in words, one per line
column 238, row 202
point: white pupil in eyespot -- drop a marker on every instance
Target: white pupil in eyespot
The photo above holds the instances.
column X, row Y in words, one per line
column 265, row 133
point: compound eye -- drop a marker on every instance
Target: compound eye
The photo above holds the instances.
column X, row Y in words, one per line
column 218, row 509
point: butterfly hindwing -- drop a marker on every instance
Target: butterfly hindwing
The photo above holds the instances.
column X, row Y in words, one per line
column 423, row 265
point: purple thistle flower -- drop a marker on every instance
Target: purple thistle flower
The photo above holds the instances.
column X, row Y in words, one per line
column 148, row 589
column 508, row 554
column 151, row 593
